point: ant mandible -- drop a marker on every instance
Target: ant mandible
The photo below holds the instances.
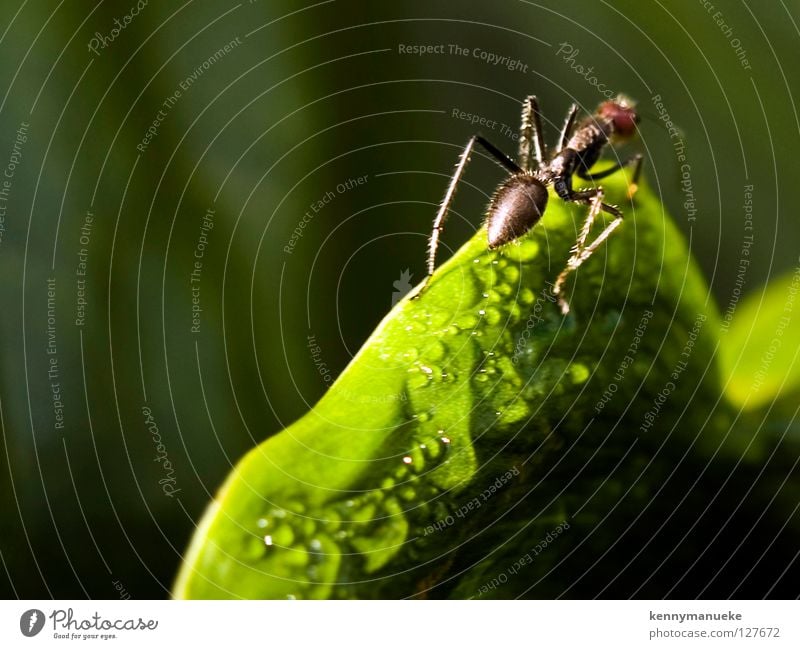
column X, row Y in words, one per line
column 519, row 202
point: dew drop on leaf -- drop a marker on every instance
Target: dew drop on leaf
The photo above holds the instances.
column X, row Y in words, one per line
column 523, row 251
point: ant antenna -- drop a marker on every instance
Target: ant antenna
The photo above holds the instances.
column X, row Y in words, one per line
column 660, row 122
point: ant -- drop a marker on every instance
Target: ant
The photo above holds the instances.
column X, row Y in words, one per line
column 519, row 202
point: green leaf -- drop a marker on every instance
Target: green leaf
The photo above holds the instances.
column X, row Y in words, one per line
column 475, row 421
column 761, row 347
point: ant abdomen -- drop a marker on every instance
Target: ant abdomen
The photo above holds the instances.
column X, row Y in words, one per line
column 516, row 207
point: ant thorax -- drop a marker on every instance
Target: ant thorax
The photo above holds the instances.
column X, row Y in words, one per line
column 591, row 133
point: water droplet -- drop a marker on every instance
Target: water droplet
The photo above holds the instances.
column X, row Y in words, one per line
column 516, row 411
column 526, row 296
column 295, row 507
column 493, row 316
column 407, row 459
column 283, row 536
column 392, row 507
column 435, row 351
column 579, row 373
column 417, row 379
column 511, row 273
column 295, row 557
column 267, row 540
column 431, row 450
column 308, row 527
column 408, row 494
column 467, row 322
column 522, row 250
column 362, row 514
column 439, row 317
column 262, row 523
column 409, row 355
column 254, row 548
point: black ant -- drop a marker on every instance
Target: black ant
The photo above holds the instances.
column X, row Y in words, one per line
column 519, row 202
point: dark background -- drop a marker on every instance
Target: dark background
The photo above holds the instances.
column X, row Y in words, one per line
column 307, row 99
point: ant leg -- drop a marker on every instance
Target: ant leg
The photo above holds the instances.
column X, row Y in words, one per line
column 581, row 252
column 566, row 131
column 634, row 161
column 438, row 223
column 637, row 172
column 590, row 197
column 531, row 133
column 499, row 157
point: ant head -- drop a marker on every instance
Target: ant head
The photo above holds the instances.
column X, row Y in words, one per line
column 622, row 113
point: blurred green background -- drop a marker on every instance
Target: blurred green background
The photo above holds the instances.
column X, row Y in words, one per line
column 304, row 100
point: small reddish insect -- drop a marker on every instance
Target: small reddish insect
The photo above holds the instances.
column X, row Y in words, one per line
column 520, row 201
